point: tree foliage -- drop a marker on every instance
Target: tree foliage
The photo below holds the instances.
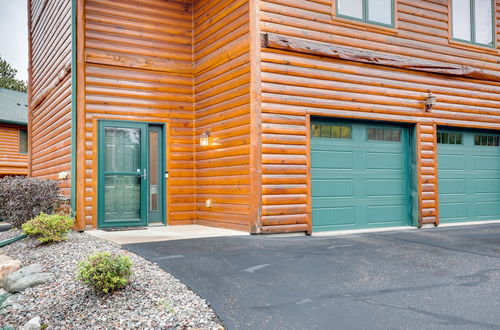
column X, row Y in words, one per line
column 8, row 78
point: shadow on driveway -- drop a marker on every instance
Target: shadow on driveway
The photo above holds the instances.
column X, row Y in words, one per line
column 440, row 278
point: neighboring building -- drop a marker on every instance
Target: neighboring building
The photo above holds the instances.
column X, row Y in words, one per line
column 13, row 132
column 269, row 116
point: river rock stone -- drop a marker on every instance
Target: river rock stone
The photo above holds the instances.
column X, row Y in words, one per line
column 8, row 266
column 33, row 324
column 27, row 277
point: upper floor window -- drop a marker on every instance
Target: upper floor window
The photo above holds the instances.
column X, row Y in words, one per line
column 473, row 21
column 23, row 141
column 371, row 11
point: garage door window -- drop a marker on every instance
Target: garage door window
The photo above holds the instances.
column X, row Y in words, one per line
column 486, row 140
column 332, row 131
column 384, row 134
column 449, row 138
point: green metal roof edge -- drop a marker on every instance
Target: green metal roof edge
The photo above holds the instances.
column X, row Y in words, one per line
column 20, row 123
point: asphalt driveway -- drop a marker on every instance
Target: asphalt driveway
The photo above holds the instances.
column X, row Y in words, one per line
column 440, row 278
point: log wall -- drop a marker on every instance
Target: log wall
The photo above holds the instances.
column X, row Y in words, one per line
column 50, row 90
column 222, row 107
column 138, row 66
column 296, row 86
column 12, row 162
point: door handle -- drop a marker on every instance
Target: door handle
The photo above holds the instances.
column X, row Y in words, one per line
column 144, row 174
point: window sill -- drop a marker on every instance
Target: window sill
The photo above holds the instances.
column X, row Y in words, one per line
column 467, row 46
column 369, row 27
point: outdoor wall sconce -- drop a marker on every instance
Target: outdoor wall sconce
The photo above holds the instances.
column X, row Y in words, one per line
column 205, row 139
column 430, row 102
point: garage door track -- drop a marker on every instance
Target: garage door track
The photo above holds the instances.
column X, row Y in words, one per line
column 442, row 278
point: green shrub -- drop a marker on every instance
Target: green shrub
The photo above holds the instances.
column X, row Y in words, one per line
column 23, row 198
column 47, row 228
column 105, row 272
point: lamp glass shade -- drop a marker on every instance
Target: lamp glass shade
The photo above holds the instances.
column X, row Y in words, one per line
column 204, row 139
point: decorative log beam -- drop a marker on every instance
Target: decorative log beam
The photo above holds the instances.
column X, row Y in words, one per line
column 276, row 41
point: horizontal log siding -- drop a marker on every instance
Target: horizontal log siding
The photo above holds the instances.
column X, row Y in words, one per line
column 427, row 173
column 11, row 161
column 295, row 86
column 139, row 67
column 50, row 86
column 222, row 105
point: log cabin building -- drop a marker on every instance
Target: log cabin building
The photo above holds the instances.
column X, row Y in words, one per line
column 268, row 116
column 13, row 132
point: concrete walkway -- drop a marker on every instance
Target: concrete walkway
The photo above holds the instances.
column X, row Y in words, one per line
column 163, row 233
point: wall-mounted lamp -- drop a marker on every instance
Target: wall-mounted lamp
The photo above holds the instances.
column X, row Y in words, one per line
column 430, row 102
column 205, row 139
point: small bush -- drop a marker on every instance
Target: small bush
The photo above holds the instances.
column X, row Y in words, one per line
column 105, row 272
column 47, row 228
column 23, row 198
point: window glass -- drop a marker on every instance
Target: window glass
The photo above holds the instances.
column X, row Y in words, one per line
column 487, row 140
column 384, row 134
column 461, row 23
column 345, row 132
column 316, row 130
column 23, row 141
column 483, row 22
column 449, row 138
column 326, row 131
column 333, row 131
column 380, row 11
column 336, row 132
column 353, row 8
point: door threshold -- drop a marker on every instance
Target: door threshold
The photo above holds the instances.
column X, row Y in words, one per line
column 156, row 224
column 360, row 231
column 468, row 223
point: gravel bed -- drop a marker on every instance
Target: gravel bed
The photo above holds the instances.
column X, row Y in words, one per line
column 153, row 299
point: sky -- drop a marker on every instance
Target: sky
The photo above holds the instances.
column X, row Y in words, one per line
column 14, row 35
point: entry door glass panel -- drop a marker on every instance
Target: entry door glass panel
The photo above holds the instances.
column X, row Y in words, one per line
column 122, row 174
column 153, row 162
column 123, row 149
column 122, row 197
column 156, row 174
column 123, row 157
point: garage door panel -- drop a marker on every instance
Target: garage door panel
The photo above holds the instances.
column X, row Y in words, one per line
column 358, row 182
column 386, row 214
column 333, row 159
column 451, row 162
column 486, row 163
column 488, row 209
column 344, row 216
column 469, row 189
column 486, row 185
column 453, row 210
column 333, row 188
column 389, row 188
column 452, row 186
column 384, row 160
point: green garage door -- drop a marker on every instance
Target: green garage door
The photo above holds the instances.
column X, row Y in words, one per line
column 469, row 175
column 360, row 175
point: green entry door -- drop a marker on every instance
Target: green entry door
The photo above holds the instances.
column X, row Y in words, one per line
column 131, row 170
column 360, row 175
column 469, row 175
